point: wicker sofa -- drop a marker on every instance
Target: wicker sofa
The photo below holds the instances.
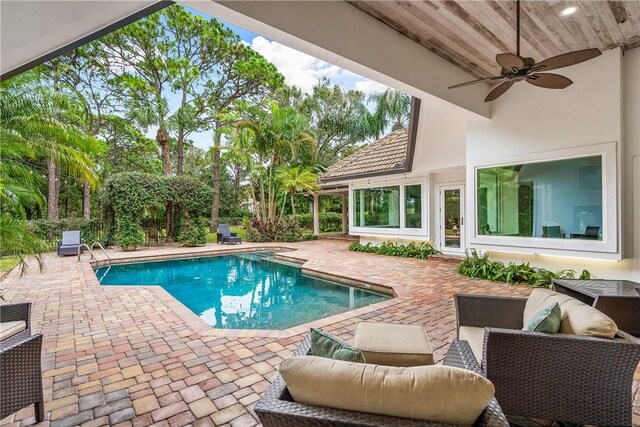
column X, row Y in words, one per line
column 277, row 408
column 568, row 378
column 20, row 364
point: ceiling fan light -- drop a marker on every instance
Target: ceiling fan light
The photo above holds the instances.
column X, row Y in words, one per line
column 568, row 10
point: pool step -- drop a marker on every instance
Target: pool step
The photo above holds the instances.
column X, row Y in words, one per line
column 251, row 256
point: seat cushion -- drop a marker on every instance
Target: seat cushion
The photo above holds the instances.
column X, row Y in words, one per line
column 577, row 317
column 435, row 393
column 475, row 337
column 324, row 344
column 8, row 329
column 393, row 344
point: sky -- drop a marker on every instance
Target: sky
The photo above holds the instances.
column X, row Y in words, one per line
column 298, row 69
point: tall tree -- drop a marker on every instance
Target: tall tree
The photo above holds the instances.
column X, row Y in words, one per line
column 140, row 59
column 337, row 118
column 392, row 110
column 242, row 78
column 275, row 137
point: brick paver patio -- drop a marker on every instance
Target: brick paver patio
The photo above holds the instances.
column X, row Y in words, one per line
column 134, row 356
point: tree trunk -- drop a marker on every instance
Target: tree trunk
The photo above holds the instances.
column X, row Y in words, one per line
column 53, row 190
column 181, row 136
column 215, row 205
column 86, row 200
column 293, row 205
column 162, row 137
column 179, row 165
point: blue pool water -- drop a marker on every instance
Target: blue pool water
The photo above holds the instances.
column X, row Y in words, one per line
column 243, row 291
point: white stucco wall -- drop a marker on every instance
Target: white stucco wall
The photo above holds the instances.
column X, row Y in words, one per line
column 631, row 157
column 528, row 119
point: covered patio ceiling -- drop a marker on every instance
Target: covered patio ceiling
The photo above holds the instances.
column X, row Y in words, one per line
column 470, row 33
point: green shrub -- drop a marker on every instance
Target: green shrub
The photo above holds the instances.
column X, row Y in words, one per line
column 481, row 267
column 422, row 250
column 287, row 230
column 194, row 233
column 129, row 235
column 330, row 222
column 51, row 230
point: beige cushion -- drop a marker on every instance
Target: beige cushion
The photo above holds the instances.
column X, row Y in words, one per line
column 475, row 337
column 577, row 318
column 393, row 344
column 435, row 393
column 8, row 329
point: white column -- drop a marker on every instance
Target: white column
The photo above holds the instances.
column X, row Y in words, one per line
column 316, row 214
column 345, row 215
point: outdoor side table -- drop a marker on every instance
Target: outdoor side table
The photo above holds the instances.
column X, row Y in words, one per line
column 618, row 299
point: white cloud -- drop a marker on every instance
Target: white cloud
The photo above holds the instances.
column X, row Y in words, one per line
column 304, row 71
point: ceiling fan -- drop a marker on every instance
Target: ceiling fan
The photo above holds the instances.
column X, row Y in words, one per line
column 515, row 68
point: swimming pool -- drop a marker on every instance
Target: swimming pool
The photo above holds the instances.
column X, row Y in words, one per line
column 243, row 291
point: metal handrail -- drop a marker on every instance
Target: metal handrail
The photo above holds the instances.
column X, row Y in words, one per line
column 103, row 251
column 93, row 255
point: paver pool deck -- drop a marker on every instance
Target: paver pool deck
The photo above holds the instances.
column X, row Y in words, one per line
column 135, row 356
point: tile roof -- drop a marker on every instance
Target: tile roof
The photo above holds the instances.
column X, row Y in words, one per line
column 387, row 154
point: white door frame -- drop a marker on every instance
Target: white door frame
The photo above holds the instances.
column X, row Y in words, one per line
column 441, row 232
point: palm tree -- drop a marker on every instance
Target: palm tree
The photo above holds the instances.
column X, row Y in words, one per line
column 293, row 179
column 275, row 137
column 392, row 110
column 29, row 132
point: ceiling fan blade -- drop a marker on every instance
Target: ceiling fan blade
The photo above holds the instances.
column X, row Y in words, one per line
column 472, row 82
column 498, row 91
column 510, row 61
column 567, row 59
column 549, row 80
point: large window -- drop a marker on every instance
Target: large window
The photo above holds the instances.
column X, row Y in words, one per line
column 377, row 207
column 559, row 199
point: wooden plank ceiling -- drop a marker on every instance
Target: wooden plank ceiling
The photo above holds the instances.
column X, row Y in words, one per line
column 470, row 33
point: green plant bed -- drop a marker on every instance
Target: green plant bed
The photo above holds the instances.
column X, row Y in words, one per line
column 422, row 250
column 7, row 263
column 481, row 267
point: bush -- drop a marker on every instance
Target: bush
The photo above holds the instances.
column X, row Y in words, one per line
column 51, row 230
column 287, row 230
column 129, row 235
column 194, row 233
column 329, row 221
column 481, row 267
column 422, row 250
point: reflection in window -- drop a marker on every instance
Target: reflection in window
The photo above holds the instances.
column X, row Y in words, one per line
column 413, row 206
column 560, row 199
column 377, row 207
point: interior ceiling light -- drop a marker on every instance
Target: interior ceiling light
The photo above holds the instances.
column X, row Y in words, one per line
column 569, row 10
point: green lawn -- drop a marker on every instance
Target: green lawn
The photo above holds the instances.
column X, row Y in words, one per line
column 8, row 262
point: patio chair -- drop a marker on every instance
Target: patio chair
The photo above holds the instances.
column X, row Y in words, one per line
column 227, row 236
column 568, row 378
column 70, row 243
column 20, row 363
column 277, row 408
column 552, row 231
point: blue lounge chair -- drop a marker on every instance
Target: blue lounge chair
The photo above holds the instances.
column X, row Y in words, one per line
column 227, row 236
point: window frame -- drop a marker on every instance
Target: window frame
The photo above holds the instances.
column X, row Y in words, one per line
column 607, row 248
column 402, row 230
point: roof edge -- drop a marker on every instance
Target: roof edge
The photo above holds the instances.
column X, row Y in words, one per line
column 414, row 117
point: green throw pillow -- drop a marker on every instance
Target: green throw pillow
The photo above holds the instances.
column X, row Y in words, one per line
column 324, row 344
column 546, row 320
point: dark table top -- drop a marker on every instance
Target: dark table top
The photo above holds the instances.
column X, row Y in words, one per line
column 616, row 288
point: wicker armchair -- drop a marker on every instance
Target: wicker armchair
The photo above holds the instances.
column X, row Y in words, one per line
column 277, row 408
column 20, row 367
column 568, row 378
